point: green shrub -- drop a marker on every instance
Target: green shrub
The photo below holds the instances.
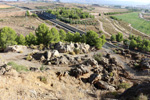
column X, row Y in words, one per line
column 41, row 46
column 119, row 37
column 124, row 86
column 42, row 79
column 33, row 46
column 42, row 68
column 29, row 57
column 34, row 15
column 20, row 52
column 111, row 74
column 27, row 13
column 98, row 57
column 17, row 67
column 72, row 53
column 77, row 51
column 113, row 38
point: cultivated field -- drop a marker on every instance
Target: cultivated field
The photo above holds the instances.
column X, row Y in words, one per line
column 136, row 22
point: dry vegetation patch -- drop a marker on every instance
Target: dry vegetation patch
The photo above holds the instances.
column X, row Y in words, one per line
column 22, row 25
column 5, row 6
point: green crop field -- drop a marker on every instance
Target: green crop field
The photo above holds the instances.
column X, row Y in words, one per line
column 136, row 22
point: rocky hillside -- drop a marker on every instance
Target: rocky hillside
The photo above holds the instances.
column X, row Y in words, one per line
column 68, row 71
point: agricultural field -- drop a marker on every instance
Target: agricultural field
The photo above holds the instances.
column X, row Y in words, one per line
column 136, row 22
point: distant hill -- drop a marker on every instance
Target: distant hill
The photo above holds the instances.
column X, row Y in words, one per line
column 110, row 2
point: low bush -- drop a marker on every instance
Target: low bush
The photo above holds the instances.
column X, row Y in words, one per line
column 17, row 67
column 29, row 57
column 42, row 79
column 124, row 86
column 98, row 57
column 77, row 51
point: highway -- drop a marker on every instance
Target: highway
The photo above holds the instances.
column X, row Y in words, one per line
column 54, row 20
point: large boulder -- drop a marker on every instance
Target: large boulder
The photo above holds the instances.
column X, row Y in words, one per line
column 48, row 55
column 64, row 47
column 104, row 61
column 5, row 68
column 84, row 47
column 79, row 71
column 104, row 85
column 145, row 63
column 15, row 48
column 55, row 53
column 63, row 60
column 94, row 78
column 113, row 61
column 136, row 90
column 70, row 47
column 91, row 62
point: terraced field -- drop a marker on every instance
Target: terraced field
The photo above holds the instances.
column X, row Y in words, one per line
column 136, row 22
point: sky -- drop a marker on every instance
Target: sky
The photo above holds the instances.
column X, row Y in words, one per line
column 114, row 2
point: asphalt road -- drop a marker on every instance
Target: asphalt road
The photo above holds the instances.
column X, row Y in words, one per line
column 71, row 28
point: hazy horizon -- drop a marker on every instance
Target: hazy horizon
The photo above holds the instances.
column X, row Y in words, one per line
column 111, row 2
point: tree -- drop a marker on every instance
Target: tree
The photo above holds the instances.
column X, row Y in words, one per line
column 99, row 43
column 103, row 37
column 119, row 37
column 131, row 37
column 91, row 38
column 7, row 37
column 20, row 39
column 83, row 38
column 77, row 37
column 133, row 44
column 62, row 34
column 147, row 49
column 31, row 39
column 139, row 39
column 69, row 37
column 43, row 34
column 55, row 37
column 126, row 42
column 113, row 38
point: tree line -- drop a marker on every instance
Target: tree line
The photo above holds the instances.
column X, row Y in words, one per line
column 114, row 13
column 73, row 13
column 83, row 22
column 44, row 35
column 133, row 42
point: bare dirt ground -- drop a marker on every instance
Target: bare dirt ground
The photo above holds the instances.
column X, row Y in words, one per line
column 27, row 86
